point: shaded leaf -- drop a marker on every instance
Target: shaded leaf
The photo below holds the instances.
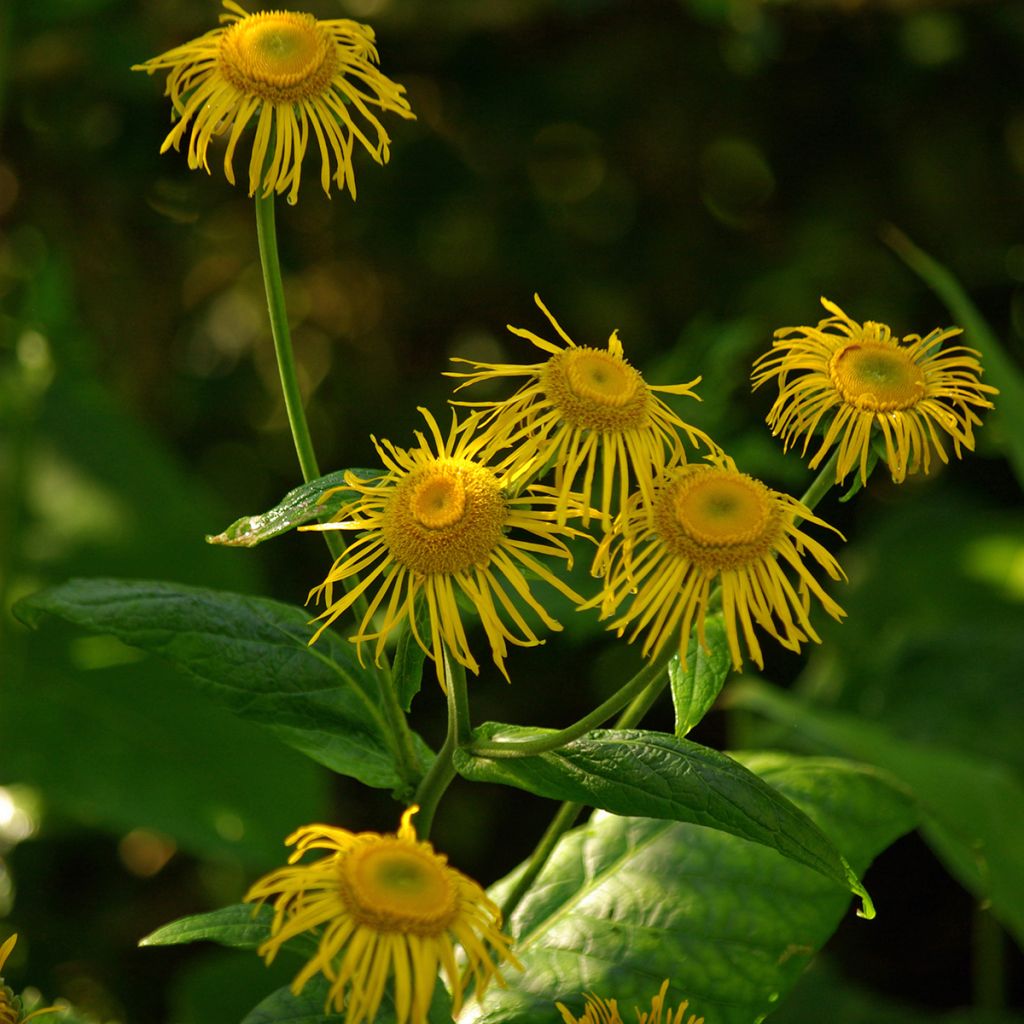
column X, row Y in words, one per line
column 972, row 809
column 250, row 654
column 636, row 772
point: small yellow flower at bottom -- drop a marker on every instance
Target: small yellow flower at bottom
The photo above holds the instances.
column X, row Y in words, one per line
column 853, row 379
column 385, row 906
column 712, row 524
column 10, row 1004
column 606, row 1011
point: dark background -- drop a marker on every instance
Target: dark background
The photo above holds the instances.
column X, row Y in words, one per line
column 694, row 174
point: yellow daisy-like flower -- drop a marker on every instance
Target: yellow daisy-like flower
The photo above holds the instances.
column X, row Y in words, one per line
column 290, row 74
column 584, row 408
column 10, row 1004
column 606, row 1011
column 442, row 522
column 385, row 906
column 713, row 525
column 855, row 378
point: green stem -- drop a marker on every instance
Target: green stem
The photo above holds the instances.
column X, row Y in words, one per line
column 442, row 771
column 988, row 961
column 563, row 820
column 822, row 483
column 266, row 232
column 631, row 691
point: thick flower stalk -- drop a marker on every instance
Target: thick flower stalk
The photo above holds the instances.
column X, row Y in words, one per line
column 293, row 77
column 713, row 526
column 585, row 410
column 11, row 1011
column 383, row 908
column 606, row 1011
column 853, row 380
column 443, row 522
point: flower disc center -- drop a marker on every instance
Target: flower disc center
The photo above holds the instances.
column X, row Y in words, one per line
column 596, row 390
column 445, row 517
column 717, row 518
column 438, row 501
column 877, row 377
column 394, row 885
column 278, row 56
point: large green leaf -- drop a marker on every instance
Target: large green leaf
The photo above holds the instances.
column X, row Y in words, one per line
column 300, row 505
column 696, row 687
column 240, row 926
column 973, row 809
column 250, row 654
column 626, row 902
column 637, row 772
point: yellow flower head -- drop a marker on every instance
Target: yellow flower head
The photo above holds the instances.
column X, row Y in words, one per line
column 852, row 378
column 606, row 1011
column 584, row 408
column 714, row 525
column 290, row 74
column 10, row 1004
column 385, row 906
column 442, row 522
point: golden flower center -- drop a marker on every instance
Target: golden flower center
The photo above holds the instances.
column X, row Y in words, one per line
column 278, row 56
column 445, row 517
column 717, row 518
column 391, row 884
column 876, row 377
column 595, row 390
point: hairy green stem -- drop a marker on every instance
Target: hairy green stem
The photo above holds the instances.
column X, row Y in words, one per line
column 822, row 483
column 442, row 771
column 266, row 232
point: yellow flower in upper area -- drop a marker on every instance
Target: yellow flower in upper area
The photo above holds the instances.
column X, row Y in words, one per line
column 10, row 1004
column 606, row 1011
column 582, row 409
column 713, row 525
column 852, row 379
column 440, row 523
column 383, row 907
column 291, row 75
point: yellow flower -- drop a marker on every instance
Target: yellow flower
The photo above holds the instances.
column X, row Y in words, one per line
column 606, row 1011
column 291, row 74
column 852, row 378
column 713, row 525
column 384, row 906
column 10, row 1004
column 439, row 524
column 582, row 409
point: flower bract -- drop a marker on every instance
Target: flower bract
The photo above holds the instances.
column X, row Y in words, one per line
column 606, row 1011
column 293, row 77
column 440, row 524
column 383, row 907
column 586, row 410
column 852, row 380
column 10, row 1005
column 714, row 527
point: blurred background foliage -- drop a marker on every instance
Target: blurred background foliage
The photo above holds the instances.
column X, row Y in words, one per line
column 693, row 173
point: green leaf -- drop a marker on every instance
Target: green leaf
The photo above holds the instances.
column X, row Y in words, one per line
column 299, row 505
column 973, row 809
column 696, row 689
column 1000, row 368
column 626, row 902
column 250, row 654
column 636, row 772
column 407, row 670
column 240, row 926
